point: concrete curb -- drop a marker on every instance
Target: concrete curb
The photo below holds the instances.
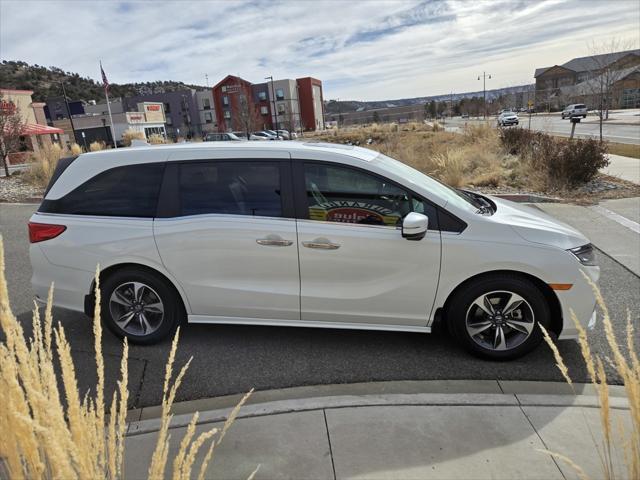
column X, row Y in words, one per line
column 509, row 394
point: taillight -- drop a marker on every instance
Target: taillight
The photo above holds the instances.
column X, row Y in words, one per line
column 39, row 232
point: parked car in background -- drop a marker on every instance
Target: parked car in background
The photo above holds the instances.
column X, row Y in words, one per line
column 308, row 235
column 575, row 110
column 465, row 115
column 264, row 135
column 284, row 134
column 221, row 137
column 251, row 136
column 275, row 134
column 507, row 117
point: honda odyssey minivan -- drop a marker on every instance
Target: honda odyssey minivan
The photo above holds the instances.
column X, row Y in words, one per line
column 302, row 234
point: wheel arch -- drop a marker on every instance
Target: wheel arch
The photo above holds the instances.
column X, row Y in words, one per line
column 89, row 299
column 551, row 297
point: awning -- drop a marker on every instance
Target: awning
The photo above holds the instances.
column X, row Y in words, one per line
column 37, row 129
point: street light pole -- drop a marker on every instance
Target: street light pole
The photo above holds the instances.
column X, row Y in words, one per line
column 275, row 109
column 484, row 91
column 66, row 103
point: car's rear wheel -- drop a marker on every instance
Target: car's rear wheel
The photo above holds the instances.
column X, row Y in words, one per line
column 139, row 305
column 497, row 317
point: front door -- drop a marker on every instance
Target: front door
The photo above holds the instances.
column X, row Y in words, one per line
column 229, row 242
column 355, row 267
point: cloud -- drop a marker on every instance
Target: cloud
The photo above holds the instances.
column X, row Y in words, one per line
column 379, row 49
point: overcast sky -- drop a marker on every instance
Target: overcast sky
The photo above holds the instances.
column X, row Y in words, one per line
column 360, row 50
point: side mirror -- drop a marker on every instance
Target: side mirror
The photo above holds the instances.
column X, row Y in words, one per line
column 414, row 226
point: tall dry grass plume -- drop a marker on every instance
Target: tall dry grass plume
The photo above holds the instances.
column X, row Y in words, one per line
column 52, row 430
column 615, row 441
column 43, row 165
column 130, row 134
column 97, row 146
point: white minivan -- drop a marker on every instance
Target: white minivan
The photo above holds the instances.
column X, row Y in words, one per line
column 302, row 234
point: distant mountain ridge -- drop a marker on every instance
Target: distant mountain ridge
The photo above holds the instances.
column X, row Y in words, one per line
column 45, row 82
column 344, row 106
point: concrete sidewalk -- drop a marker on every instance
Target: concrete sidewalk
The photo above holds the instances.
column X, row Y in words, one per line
column 613, row 226
column 401, row 435
column 626, row 168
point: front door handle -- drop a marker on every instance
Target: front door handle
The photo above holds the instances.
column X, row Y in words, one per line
column 274, row 241
column 321, row 244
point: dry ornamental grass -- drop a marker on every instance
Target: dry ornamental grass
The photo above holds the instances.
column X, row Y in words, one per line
column 615, row 442
column 51, row 430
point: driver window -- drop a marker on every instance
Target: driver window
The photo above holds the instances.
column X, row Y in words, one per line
column 338, row 194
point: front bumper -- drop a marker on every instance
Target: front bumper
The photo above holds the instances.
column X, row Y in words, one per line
column 580, row 302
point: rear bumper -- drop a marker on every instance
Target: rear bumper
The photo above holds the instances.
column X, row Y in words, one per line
column 70, row 285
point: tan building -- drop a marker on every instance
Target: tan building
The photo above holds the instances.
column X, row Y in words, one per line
column 94, row 125
column 36, row 132
column 554, row 85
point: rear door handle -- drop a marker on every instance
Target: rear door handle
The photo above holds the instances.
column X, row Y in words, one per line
column 274, row 241
column 321, row 244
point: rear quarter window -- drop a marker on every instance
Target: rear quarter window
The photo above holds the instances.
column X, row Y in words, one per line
column 127, row 191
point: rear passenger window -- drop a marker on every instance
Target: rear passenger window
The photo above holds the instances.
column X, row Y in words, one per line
column 129, row 191
column 234, row 188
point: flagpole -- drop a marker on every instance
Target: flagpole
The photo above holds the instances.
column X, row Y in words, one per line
column 105, row 84
column 113, row 133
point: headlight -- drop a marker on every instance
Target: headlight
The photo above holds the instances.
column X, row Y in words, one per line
column 585, row 254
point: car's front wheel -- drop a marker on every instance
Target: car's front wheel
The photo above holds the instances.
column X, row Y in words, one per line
column 139, row 305
column 497, row 317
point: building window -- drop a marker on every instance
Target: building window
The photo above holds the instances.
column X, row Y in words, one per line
column 281, row 108
column 227, row 114
column 208, row 118
column 169, row 121
column 264, row 111
column 262, row 95
column 279, row 94
column 167, row 107
column 224, row 88
column 225, row 100
column 206, row 104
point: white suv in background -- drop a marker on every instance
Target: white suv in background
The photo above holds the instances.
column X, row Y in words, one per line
column 302, row 234
column 575, row 110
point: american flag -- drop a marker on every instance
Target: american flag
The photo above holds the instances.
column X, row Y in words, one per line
column 105, row 82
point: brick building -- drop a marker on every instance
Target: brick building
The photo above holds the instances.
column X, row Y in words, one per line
column 287, row 103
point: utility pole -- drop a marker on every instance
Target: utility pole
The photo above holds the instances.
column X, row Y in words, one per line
column 66, row 103
column 484, row 91
column 275, row 109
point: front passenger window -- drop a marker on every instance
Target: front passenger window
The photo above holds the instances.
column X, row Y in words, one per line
column 339, row 194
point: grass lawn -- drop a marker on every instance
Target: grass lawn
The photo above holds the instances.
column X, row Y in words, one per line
column 624, row 149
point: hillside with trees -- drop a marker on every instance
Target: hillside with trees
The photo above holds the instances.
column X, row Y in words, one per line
column 45, row 82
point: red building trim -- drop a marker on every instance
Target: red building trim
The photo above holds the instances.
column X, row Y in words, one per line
column 307, row 108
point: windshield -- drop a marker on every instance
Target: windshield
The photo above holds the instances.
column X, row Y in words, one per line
column 445, row 192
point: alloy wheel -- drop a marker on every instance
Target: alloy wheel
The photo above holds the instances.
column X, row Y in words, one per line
column 500, row 320
column 136, row 308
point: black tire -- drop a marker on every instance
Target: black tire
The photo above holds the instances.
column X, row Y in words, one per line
column 462, row 303
column 157, row 287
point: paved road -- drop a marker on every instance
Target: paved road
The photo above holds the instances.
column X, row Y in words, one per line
column 233, row 359
column 555, row 125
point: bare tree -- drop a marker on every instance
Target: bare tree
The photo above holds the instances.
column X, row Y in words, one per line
column 248, row 117
column 11, row 126
column 604, row 72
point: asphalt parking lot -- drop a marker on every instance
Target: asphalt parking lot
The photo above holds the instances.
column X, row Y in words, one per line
column 234, row 359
